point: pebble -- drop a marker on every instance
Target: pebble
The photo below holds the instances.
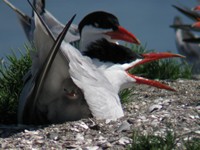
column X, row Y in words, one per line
column 83, row 125
column 125, row 126
column 91, row 148
column 197, row 132
column 54, row 136
column 79, row 137
column 154, row 107
column 124, row 141
column 106, row 145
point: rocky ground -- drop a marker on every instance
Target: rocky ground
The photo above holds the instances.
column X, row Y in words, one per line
column 150, row 111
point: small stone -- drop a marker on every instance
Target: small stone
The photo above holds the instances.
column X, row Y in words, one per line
column 124, row 141
column 75, row 129
column 54, row 136
column 198, row 107
column 154, row 107
column 106, row 145
column 83, row 125
column 39, row 142
column 91, row 148
column 166, row 102
column 79, row 137
column 101, row 140
column 125, row 126
column 197, row 132
column 31, row 132
column 71, row 146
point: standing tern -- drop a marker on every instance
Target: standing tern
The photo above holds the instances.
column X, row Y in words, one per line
column 190, row 50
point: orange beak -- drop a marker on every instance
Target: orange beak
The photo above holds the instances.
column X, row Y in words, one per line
column 148, row 58
column 196, row 25
column 197, row 8
column 122, row 34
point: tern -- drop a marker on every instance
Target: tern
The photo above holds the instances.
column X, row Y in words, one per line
column 190, row 50
column 192, row 15
column 67, row 105
column 108, row 55
column 99, row 93
column 61, row 74
column 188, row 12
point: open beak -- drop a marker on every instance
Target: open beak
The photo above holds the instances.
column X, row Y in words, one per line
column 148, row 58
column 122, row 34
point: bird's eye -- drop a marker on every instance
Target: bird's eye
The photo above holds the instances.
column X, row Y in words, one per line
column 71, row 94
column 96, row 25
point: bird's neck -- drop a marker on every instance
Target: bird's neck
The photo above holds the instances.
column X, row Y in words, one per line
column 106, row 51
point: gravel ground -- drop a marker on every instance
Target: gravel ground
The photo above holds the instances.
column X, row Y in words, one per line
column 150, row 111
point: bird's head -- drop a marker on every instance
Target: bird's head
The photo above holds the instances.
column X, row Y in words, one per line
column 102, row 25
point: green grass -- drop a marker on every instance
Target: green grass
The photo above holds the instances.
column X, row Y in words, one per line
column 193, row 144
column 126, row 95
column 152, row 142
column 169, row 142
column 12, row 71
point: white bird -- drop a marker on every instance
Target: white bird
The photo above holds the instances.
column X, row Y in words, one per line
column 99, row 32
column 99, row 93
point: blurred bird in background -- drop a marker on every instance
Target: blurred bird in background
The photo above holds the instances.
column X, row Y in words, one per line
column 187, row 42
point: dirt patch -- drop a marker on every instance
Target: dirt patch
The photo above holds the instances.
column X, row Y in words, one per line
column 150, row 111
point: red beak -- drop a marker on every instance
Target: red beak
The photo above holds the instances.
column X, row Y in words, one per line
column 148, row 58
column 196, row 25
column 122, row 34
column 197, row 8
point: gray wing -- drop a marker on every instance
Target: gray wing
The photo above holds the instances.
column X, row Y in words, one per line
column 54, row 25
column 53, row 97
column 25, row 21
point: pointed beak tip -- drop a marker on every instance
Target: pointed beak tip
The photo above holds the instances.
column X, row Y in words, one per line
column 157, row 84
column 137, row 42
column 182, row 56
